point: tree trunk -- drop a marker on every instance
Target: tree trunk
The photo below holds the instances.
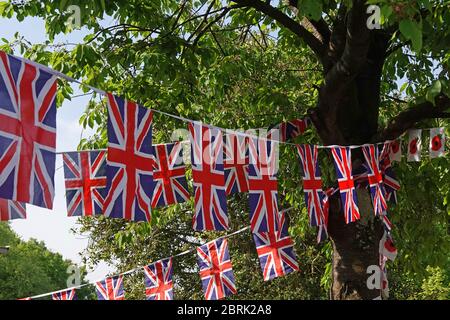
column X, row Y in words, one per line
column 355, row 248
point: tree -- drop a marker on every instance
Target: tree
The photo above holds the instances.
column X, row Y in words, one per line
column 250, row 63
column 29, row 268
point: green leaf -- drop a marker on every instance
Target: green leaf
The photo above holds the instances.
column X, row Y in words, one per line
column 311, row 8
column 433, row 91
column 412, row 30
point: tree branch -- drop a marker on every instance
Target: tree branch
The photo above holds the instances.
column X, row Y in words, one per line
column 408, row 118
column 315, row 44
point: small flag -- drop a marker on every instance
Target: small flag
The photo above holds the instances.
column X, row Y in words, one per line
column 437, row 142
column 216, row 271
column 375, row 178
column 110, row 288
column 414, row 144
column 65, row 295
column 387, row 247
column 158, row 280
column 396, row 150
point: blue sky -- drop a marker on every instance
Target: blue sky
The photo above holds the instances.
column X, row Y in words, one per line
column 53, row 226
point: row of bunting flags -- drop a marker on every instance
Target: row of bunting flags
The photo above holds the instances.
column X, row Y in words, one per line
column 133, row 176
column 276, row 256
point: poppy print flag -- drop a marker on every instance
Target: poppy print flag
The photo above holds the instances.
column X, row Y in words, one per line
column 236, row 163
column 27, row 132
column 158, row 280
column 110, row 288
column 263, row 185
column 169, row 175
column 343, row 163
column 65, row 295
column 276, row 251
column 312, row 182
column 387, row 247
column 414, row 144
column 85, row 180
column 209, row 178
column 10, row 210
column 396, row 150
column 377, row 191
column 129, row 161
column 216, row 272
column 437, row 142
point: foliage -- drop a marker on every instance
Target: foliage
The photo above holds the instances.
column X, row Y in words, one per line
column 29, row 268
column 246, row 70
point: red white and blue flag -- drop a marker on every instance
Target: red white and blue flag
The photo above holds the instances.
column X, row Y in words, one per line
column 276, row 251
column 10, row 210
column 85, row 180
column 390, row 181
column 110, row 288
column 65, row 295
column 375, row 178
column 292, row 129
column 236, row 163
column 129, row 161
column 209, row 178
column 27, row 132
column 263, row 185
column 216, row 271
column 169, row 175
column 158, row 280
column 322, row 233
column 312, row 183
column 343, row 163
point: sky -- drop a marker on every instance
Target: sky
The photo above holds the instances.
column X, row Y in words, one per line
column 53, row 226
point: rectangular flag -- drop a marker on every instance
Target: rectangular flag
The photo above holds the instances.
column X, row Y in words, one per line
column 276, row 251
column 169, row 175
column 216, row 271
column 129, row 161
column 414, row 144
column 27, row 132
column 387, row 247
column 377, row 191
column 85, row 180
column 390, row 181
column 65, row 295
column 110, row 288
column 158, row 280
column 10, row 210
column 236, row 163
column 263, row 184
column 209, row 178
column 312, row 182
column 343, row 163
column 291, row 129
column 396, row 150
column 437, row 142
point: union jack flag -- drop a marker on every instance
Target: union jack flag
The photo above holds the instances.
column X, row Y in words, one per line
column 390, row 181
column 209, row 178
column 343, row 163
column 384, row 284
column 312, row 182
column 236, row 163
column 129, row 161
column 276, row 251
column 322, row 233
column 65, row 295
column 10, row 210
column 375, row 178
column 263, row 185
column 170, row 184
column 110, row 288
column 386, row 223
column 216, row 272
column 158, row 280
column 85, row 179
column 27, row 132
column 292, row 129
